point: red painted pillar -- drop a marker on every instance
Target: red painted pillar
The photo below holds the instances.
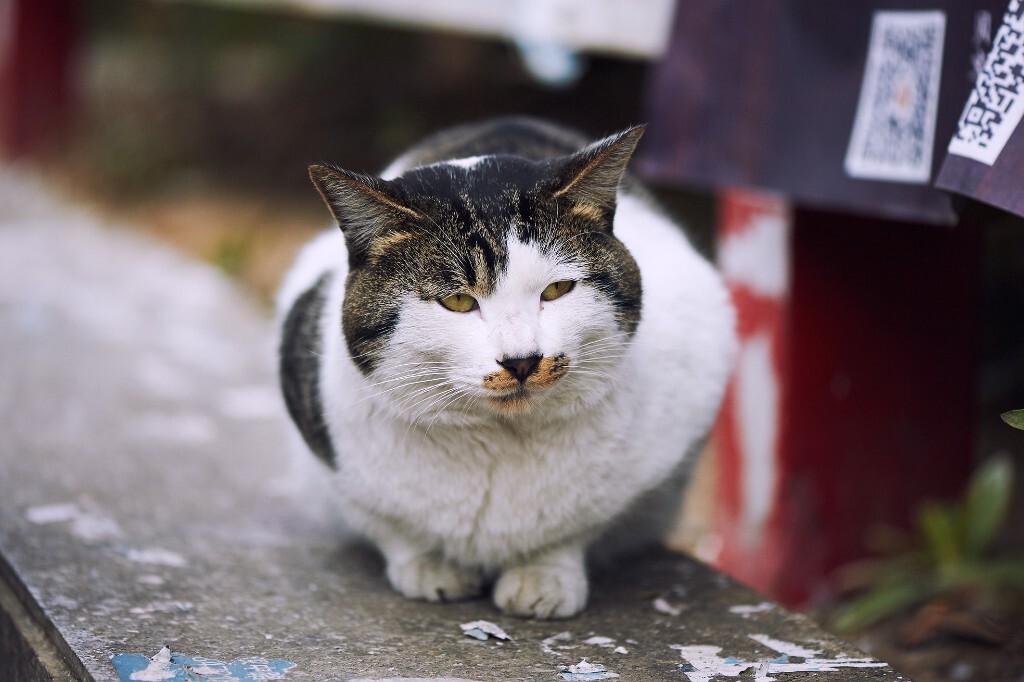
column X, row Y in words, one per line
column 754, row 254
column 853, row 397
column 36, row 43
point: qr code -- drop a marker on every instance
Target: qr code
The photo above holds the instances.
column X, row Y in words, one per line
column 996, row 104
column 894, row 126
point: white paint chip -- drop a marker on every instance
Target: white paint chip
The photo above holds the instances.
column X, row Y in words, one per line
column 605, row 642
column 159, row 668
column 704, row 662
column 483, row 630
column 548, row 645
column 787, row 648
column 747, row 610
column 52, row 513
column 661, row 605
column 156, row 555
column 95, row 527
column 85, row 525
column 585, row 670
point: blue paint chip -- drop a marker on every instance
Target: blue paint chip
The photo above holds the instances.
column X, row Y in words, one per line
column 733, row 661
column 172, row 667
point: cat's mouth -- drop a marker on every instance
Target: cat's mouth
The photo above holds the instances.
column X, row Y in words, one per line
column 512, row 395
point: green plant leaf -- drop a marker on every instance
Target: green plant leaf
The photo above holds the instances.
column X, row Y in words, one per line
column 940, row 527
column 879, row 604
column 1014, row 418
column 986, row 503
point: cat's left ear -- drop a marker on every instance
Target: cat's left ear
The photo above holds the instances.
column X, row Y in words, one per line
column 591, row 176
column 367, row 208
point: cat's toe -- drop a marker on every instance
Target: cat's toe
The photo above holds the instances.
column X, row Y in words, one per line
column 539, row 591
column 432, row 579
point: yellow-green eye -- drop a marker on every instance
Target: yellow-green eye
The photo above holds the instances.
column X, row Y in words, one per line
column 557, row 289
column 460, row 303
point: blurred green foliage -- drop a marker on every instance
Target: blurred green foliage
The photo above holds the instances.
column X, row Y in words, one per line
column 950, row 554
column 232, row 255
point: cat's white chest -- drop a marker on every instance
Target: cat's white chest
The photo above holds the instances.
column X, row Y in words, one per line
column 483, row 495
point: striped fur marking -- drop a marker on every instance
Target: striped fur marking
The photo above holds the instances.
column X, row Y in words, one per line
column 299, row 370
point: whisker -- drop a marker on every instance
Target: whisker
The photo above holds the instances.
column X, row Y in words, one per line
column 603, row 348
column 459, row 392
column 594, row 372
column 609, row 338
column 599, row 358
column 402, row 401
column 434, row 382
column 433, row 400
column 412, row 375
column 415, row 394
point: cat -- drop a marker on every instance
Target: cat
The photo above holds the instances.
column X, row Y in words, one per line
column 508, row 355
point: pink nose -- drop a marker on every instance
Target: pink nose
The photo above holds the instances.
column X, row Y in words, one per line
column 520, row 367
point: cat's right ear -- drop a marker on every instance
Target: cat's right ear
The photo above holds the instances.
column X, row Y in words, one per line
column 365, row 207
column 591, row 176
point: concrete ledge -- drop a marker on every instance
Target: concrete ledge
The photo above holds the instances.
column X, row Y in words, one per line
column 142, row 506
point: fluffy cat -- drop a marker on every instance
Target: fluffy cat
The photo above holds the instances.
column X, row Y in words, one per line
column 506, row 356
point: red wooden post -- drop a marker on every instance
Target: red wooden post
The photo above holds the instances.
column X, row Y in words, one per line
column 853, row 397
column 36, row 43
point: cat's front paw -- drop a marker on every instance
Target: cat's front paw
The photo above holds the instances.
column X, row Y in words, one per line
column 542, row 591
column 428, row 577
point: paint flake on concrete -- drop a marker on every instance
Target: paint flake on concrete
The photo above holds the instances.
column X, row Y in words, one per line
column 175, row 667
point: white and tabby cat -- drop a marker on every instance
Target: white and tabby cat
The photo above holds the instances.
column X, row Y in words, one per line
column 508, row 359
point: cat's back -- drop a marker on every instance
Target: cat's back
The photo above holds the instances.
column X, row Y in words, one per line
column 520, row 136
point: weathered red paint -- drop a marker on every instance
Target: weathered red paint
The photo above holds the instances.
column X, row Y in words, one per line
column 876, row 345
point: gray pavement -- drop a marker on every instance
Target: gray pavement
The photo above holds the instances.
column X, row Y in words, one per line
column 147, row 531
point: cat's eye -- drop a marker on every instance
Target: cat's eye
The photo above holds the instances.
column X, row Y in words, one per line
column 460, row 303
column 557, row 290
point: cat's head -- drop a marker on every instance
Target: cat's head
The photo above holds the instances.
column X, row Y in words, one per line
column 489, row 285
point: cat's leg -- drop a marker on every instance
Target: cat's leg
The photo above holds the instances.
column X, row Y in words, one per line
column 424, row 575
column 552, row 584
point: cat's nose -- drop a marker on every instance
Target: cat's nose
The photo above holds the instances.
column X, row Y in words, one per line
column 520, row 367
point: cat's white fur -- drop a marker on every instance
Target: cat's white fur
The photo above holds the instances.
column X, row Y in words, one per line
column 468, row 493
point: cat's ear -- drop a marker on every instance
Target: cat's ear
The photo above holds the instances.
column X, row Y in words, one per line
column 591, row 176
column 364, row 206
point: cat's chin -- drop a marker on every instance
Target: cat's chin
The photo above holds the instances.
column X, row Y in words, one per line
column 518, row 402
